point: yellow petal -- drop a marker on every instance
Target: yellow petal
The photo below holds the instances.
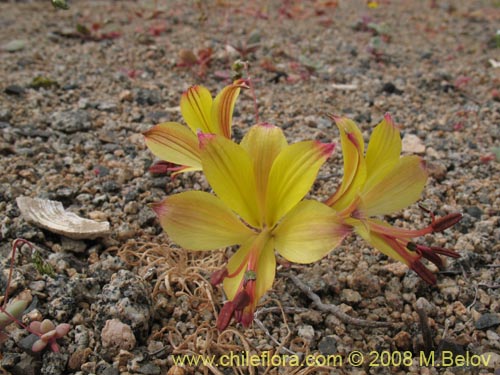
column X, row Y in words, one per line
column 383, row 244
column 292, row 175
column 384, row 147
column 395, row 189
column 196, row 108
column 354, row 166
column 266, row 271
column 263, row 142
column 257, row 254
column 174, row 143
column 223, row 106
column 309, row 232
column 237, row 264
column 200, row 221
column 229, row 170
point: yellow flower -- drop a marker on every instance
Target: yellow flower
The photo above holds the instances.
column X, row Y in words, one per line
column 380, row 183
column 260, row 185
column 178, row 144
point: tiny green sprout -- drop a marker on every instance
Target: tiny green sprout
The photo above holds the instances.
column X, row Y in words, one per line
column 43, row 82
column 238, row 69
column 60, row 4
column 41, row 266
column 82, row 29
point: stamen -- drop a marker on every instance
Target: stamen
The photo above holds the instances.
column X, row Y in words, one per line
column 246, row 318
column 241, row 300
column 218, row 276
column 423, row 272
column 445, row 222
column 225, row 315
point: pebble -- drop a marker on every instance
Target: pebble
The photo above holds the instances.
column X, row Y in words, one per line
column 107, row 106
column 14, row 90
column 306, row 332
column 328, row 345
column 125, row 96
column 488, row 320
column 147, row 97
column 351, row 296
column 75, row 246
column 412, row 144
column 5, row 116
column 71, row 121
column 116, row 336
column 403, row 340
column 494, row 362
column 127, row 298
column 78, row 358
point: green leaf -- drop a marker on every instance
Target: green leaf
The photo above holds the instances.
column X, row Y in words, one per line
column 60, row 4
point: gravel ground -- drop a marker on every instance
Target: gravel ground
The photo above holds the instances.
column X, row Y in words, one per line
column 73, row 105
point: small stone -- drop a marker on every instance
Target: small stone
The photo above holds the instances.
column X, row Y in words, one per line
column 391, row 88
column 131, row 208
column 396, row 268
column 494, row 362
column 494, row 338
column 412, row 144
column 311, row 317
column 78, row 358
column 98, row 215
column 328, row 345
column 423, row 304
column 125, row 232
column 5, row 115
column 107, row 106
column 89, row 367
column 14, row 90
column 72, row 121
column 14, row 45
column 116, row 335
column 149, row 369
column 146, row 216
column 126, row 96
column 351, row 296
column 75, row 246
column 449, row 290
column 27, row 365
column 147, row 97
column 110, row 186
column 459, row 309
column 487, row 320
column 364, row 282
column 176, row 370
column 451, row 346
column 474, row 211
column 436, row 170
column 403, row 340
column 306, row 332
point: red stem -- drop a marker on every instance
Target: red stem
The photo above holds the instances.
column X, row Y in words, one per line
column 252, row 90
column 13, row 256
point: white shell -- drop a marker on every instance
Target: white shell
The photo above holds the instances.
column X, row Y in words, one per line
column 51, row 215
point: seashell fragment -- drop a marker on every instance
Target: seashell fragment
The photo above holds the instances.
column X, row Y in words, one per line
column 51, row 215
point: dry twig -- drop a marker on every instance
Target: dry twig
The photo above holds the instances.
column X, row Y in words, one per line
column 335, row 310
